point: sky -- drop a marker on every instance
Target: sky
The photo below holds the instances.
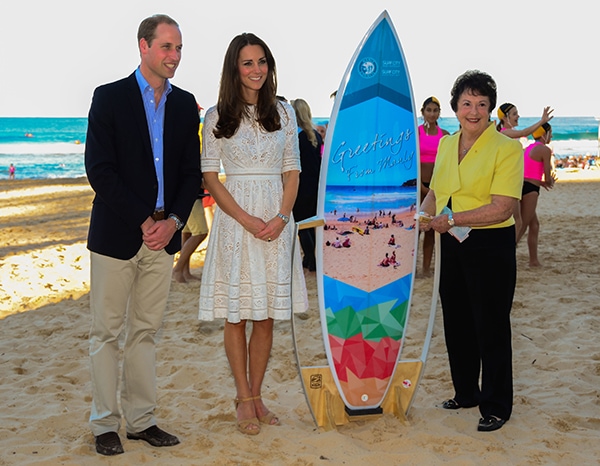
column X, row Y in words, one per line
column 54, row 54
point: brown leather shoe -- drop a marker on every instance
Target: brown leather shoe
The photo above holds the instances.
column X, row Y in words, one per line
column 155, row 437
column 109, row 444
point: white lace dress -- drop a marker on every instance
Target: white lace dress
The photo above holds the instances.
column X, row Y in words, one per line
column 244, row 277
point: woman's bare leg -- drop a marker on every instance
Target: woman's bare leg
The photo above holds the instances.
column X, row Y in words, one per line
column 237, row 355
column 532, row 241
column 428, row 244
column 259, row 349
column 528, row 206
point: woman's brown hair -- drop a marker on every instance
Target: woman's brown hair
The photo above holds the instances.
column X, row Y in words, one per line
column 231, row 105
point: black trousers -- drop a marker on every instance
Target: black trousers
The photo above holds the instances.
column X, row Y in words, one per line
column 477, row 285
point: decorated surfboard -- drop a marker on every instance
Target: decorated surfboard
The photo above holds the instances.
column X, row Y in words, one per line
column 368, row 196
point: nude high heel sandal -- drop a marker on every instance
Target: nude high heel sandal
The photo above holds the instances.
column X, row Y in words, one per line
column 267, row 418
column 245, row 425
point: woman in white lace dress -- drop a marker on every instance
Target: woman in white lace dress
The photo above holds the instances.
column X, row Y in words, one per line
column 248, row 267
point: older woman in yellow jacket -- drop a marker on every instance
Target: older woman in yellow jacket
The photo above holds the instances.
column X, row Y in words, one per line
column 476, row 182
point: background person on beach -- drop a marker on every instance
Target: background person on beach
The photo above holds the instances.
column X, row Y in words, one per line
column 311, row 145
column 193, row 233
column 248, row 267
column 508, row 117
column 478, row 175
column 385, row 262
column 142, row 160
column 429, row 138
column 537, row 172
column 208, row 201
column 322, row 130
column 209, row 209
column 11, row 172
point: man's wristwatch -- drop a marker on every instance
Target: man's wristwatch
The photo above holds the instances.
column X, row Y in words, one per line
column 178, row 222
column 285, row 218
column 450, row 220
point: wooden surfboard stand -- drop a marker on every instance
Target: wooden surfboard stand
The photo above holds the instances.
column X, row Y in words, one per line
column 327, row 406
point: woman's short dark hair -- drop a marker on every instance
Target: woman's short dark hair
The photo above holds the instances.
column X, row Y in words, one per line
column 478, row 82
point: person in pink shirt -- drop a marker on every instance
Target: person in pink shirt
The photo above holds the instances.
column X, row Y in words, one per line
column 508, row 120
column 537, row 173
column 429, row 137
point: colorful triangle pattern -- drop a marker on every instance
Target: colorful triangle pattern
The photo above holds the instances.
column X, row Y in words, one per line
column 365, row 329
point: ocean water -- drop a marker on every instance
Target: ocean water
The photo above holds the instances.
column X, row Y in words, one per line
column 570, row 135
column 42, row 147
column 343, row 201
column 53, row 147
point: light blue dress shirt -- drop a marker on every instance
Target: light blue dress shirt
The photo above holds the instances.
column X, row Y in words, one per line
column 155, row 117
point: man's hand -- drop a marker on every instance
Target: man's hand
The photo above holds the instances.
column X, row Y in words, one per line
column 156, row 236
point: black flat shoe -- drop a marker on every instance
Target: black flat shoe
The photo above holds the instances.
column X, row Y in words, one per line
column 109, row 444
column 451, row 404
column 155, row 437
column 490, row 424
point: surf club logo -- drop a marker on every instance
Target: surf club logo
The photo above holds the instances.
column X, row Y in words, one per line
column 367, row 67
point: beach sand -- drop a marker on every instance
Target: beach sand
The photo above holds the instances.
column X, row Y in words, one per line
column 358, row 264
column 45, row 391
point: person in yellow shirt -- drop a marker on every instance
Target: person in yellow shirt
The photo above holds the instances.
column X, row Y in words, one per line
column 193, row 233
column 476, row 182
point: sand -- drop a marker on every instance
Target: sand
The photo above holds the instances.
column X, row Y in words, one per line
column 45, row 390
column 350, row 265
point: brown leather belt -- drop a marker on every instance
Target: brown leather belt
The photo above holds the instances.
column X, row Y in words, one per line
column 158, row 215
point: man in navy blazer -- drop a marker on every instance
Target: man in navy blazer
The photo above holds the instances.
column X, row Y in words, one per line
column 142, row 159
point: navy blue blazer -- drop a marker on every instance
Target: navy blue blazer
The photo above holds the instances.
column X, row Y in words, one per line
column 120, row 167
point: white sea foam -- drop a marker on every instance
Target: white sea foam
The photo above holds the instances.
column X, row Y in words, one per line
column 565, row 148
column 44, row 148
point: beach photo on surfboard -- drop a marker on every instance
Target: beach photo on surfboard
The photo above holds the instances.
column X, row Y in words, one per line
column 371, row 178
column 369, row 234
